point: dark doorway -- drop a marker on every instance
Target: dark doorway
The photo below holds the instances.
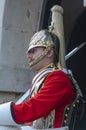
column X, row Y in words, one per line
column 46, row 13
column 77, row 63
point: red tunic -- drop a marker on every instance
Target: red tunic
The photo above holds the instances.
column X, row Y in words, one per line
column 56, row 93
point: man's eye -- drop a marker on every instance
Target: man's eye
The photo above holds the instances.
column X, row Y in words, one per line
column 32, row 51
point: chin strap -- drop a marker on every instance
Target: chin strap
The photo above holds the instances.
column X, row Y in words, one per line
column 45, row 52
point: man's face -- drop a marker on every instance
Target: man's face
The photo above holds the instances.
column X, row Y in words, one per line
column 33, row 54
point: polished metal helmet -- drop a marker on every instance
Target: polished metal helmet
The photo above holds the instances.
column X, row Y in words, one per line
column 40, row 39
column 47, row 39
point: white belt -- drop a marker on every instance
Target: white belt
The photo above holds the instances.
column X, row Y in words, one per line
column 30, row 128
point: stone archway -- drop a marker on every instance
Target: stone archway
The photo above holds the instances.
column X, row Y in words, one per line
column 18, row 21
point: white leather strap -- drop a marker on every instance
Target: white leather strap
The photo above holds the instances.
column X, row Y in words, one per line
column 31, row 128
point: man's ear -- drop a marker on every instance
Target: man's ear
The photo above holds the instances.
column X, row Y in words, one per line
column 50, row 53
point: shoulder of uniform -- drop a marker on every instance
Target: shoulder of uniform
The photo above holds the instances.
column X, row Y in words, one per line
column 57, row 73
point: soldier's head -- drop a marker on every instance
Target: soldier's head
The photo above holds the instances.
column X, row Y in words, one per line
column 43, row 49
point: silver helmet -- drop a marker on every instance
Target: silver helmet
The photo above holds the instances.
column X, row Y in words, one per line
column 47, row 39
column 40, row 39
